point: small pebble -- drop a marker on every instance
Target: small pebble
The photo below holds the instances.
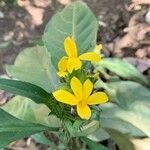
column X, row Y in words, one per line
column 137, row 7
column 147, row 17
column 1, row 14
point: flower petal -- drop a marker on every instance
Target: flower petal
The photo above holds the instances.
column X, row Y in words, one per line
column 65, row 97
column 91, row 56
column 70, row 47
column 98, row 48
column 97, row 98
column 62, row 64
column 73, row 64
column 76, row 86
column 83, row 111
column 87, row 89
column 61, row 74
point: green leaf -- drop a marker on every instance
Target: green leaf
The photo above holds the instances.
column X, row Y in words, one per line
column 74, row 20
column 93, row 145
column 128, row 92
column 33, row 65
column 25, row 109
column 38, row 41
column 12, row 129
column 113, row 122
column 89, row 128
column 121, row 68
column 29, row 90
column 121, row 125
column 77, row 129
column 130, row 114
column 99, row 135
column 122, row 140
column 40, row 138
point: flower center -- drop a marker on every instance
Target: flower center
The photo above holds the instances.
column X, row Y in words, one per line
column 82, row 102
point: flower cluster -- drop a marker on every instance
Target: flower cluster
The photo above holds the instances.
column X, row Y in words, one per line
column 82, row 95
column 72, row 61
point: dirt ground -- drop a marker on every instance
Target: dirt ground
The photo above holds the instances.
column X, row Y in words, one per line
column 124, row 29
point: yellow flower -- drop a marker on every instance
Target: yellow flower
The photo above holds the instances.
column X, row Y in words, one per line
column 72, row 61
column 98, row 48
column 81, row 97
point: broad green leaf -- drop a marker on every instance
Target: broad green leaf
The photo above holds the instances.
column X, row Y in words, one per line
column 120, row 124
column 12, row 129
column 33, row 65
column 113, row 122
column 121, row 68
column 77, row 130
column 130, row 114
column 128, row 92
column 93, row 145
column 25, row 109
column 122, row 140
column 89, row 128
column 74, row 20
column 40, row 138
column 38, row 41
column 25, row 89
column 99, row 135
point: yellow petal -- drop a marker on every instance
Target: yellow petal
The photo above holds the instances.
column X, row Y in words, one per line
column 83, row 111
column 70, row 47
column 97, row 98
column 61, row 74
column 76, row 86
column 90, row 56
column 73, row 64
column 62, row 64
column 65, row 97
column 87, row 89
column 98, row 48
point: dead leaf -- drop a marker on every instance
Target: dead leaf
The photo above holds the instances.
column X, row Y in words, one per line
column 138, row 2
column 35, row 8
column 142, row 52
column 136, row 34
